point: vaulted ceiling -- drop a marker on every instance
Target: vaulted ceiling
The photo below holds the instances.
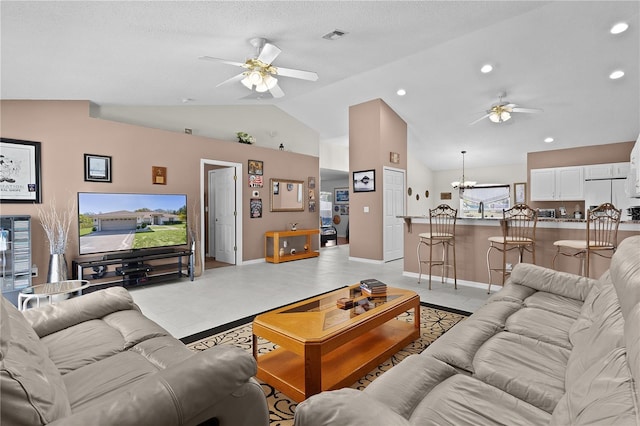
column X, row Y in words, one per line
column 556, row 56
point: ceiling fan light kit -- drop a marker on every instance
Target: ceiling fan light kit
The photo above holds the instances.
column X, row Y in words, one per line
column 502, row 111
column 260, row 72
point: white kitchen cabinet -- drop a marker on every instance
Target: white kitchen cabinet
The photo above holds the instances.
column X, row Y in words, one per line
column 543, row 184
column 606, row 171
column 557, row 184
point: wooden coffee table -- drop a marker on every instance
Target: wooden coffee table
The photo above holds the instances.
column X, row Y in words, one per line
column 322, row 347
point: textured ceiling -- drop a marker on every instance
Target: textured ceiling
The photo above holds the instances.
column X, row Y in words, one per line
column 551, row 55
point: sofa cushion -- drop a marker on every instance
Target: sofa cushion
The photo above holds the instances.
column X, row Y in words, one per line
column 458, row 346
column 33, row 391
column 512, row 292
column 463, row 400
column 108, row 378
column 604, row 394
column 605, row 334
column 554, row 303
column 411, row 380
column 541, row 325
column 524, row 367
column 625, row 273
column 550, row 281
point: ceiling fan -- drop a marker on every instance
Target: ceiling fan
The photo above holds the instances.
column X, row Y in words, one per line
column 260, row 72
column 501, row 111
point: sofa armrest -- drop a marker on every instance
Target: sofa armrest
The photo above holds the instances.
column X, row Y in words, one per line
column 67, row 313
column 345, row 407
column 181, row 394
column 548, row 280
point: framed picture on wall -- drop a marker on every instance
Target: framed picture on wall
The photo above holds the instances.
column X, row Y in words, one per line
column 255, row 167
column 97, row 168
column 341, row 195
column 364, row 181
column 19, row 171
column 255, row 208
column 520, row 192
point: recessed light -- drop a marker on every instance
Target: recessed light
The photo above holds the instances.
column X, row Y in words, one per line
column 620, row 27
column 487, row 68
column 616, row 74
column 548, row 140
column 401, row 92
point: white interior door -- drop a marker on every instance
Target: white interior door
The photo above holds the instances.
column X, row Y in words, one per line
column 394, row 205
column 224, row 214
column 211, row 222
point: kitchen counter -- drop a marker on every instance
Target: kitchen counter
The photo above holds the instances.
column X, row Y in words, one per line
column 543, row 222
column 472, row 244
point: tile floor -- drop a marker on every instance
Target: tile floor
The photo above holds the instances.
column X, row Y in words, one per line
column 226, row 294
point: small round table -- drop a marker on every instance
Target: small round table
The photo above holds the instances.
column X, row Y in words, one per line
column 48, row 290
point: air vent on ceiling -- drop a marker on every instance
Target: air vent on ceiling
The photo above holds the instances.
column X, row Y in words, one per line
column 334, row 35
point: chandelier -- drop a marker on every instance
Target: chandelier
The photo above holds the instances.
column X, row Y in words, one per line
column 463, row 184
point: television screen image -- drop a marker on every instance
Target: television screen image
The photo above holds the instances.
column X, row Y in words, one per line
column 112, row 222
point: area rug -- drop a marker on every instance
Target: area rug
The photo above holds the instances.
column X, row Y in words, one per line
column 434, row 322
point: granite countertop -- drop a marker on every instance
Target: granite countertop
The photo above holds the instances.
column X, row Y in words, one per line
column 540, row 219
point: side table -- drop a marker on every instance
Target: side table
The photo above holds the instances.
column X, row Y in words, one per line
column 48, row 290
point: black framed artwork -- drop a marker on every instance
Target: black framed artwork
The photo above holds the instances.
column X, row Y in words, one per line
column 97, row 168
column 364, row 181
column 20, row 172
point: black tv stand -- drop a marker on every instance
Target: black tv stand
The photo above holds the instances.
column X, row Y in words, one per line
column 135, row 267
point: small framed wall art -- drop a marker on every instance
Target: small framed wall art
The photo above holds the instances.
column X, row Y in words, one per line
column 519, row 192
column 364, row 181
column 97, row 168
column 19, row 171
column 256, row 167
column 159, row 175
column 341, row 196
column 255, row 208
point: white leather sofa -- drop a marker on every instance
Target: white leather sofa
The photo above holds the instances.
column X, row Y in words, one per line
column 550, row 348
column 96, row 360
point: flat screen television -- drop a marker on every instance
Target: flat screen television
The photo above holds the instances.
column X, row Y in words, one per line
column 116, row 222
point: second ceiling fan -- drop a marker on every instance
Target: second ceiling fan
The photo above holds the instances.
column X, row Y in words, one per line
column 501, row 111
column 260, row 73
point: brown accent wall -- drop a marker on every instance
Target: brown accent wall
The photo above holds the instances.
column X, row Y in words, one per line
column 67, row 132
column 374, row 131
column 598, row 154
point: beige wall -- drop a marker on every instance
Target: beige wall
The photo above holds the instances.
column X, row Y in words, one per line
column 597, row 154
column 374, row 131
column 67, row 132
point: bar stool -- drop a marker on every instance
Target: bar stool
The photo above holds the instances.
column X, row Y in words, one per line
column 601, row 237
column 518, row 232
column 442, row 223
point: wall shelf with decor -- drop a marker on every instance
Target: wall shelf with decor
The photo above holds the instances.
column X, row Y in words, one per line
column 285, row 246
column 139, row 267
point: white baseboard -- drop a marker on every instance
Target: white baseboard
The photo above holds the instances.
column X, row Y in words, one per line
column 494, row 287
column 362, row 259
column 252, row 261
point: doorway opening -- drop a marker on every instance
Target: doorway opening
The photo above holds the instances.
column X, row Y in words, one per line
column 221, row 213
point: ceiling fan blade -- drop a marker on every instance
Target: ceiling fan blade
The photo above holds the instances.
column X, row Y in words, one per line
column 304, row 75
column 276, row 91
column 269, row 53
column 479, row 119
column 232, row 79
column 224, row 61
column 531, row 110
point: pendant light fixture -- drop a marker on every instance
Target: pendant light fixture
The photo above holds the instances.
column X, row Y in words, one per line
column 463, row 184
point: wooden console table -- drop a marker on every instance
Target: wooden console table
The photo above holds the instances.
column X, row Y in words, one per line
column 273, row 244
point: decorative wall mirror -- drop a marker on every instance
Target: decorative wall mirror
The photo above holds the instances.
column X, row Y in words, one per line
column 286, row 195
